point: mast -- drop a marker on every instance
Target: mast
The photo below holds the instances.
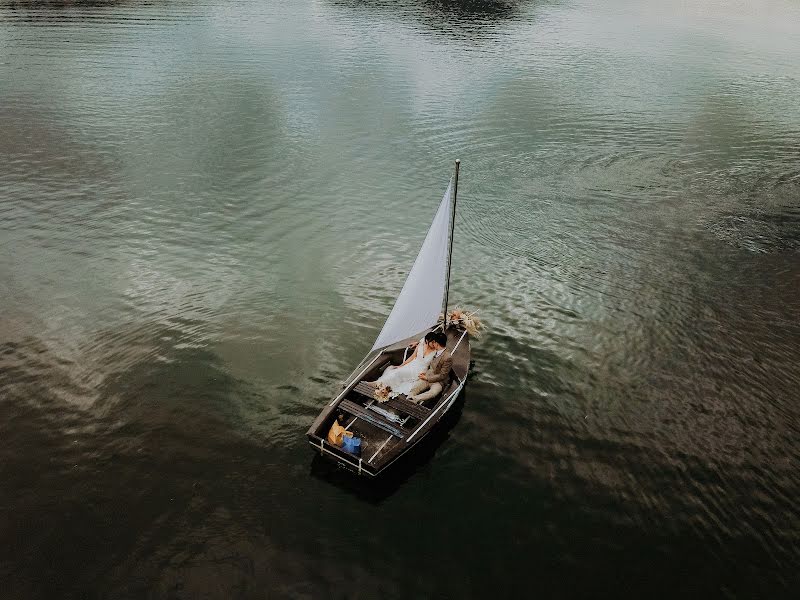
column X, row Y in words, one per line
column 450, row 243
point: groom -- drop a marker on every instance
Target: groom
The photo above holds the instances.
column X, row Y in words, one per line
column 437, row 373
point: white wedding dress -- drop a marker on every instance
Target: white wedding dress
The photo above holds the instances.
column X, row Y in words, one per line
column 401, row 379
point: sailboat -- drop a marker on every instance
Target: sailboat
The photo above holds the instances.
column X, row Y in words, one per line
column 390, row 429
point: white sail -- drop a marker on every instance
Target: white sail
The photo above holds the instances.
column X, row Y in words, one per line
column 420, row 301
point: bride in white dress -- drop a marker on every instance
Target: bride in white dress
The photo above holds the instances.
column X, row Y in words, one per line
column 402, row 378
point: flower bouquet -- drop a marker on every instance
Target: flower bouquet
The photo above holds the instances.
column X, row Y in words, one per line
column 381, row 393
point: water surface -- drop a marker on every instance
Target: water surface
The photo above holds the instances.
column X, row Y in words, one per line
column 207, row 208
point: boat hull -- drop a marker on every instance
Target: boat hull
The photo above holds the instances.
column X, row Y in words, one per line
column 357, row 465
column 387, row 441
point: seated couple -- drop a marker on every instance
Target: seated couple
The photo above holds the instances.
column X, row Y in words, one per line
column 422, row 375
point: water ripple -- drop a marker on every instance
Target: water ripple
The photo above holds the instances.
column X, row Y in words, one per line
column 208, row 209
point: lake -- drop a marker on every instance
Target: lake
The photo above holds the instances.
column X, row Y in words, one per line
column 208, row 207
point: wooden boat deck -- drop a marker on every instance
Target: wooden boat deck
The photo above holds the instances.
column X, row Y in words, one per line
column 376, row 419
column 400, row 403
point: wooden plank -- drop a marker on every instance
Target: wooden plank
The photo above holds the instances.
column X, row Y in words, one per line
column 408, row 407
column 373, row 418
column 400, row 403
column 365, row 389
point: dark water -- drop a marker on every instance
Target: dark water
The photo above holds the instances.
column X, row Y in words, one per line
column 207, row 208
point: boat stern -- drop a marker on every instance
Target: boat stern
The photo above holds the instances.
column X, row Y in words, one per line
column 342, row 458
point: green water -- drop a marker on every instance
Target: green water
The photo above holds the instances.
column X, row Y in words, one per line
column 207, row 209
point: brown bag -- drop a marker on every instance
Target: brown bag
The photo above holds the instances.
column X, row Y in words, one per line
column 336, row 433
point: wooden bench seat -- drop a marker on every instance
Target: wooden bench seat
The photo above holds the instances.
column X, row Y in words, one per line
column 400, row 403
column 374, row 418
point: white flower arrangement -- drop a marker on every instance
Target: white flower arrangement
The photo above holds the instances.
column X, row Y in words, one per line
column 381, row 393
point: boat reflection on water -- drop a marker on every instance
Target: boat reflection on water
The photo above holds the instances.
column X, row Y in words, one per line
column 376, row 490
